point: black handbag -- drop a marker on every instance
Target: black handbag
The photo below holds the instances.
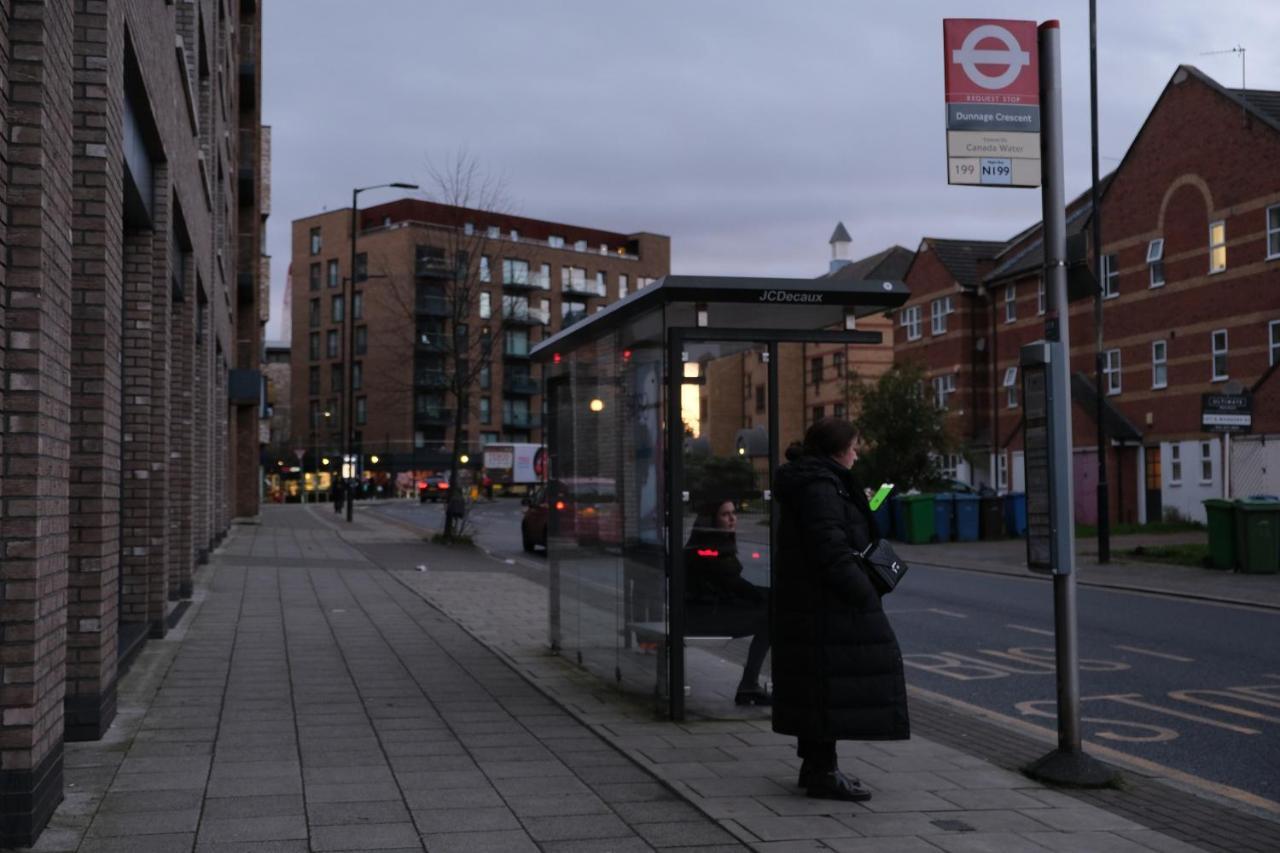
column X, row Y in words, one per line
column 884, row 566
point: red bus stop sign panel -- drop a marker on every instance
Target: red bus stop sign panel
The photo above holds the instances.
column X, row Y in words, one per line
column 991, row 62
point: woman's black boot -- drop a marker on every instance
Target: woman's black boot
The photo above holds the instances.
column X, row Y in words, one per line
column 834, row 785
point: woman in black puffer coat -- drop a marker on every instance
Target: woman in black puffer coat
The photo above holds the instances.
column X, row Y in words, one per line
column 837, row 668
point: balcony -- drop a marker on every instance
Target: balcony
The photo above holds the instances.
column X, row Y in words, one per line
column 431, row 267
column 433, row 416
column 582, row 287
column 432, row 306
column 516, row 353
column 430, row 378
column 523, row 315
column 432, row 342
column 520, row 420
column 532, row 281
column 571, row 318
column 520, row 386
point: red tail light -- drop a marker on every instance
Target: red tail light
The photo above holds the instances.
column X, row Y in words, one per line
column 559, row 505
column 443, row 486
column 708, row 552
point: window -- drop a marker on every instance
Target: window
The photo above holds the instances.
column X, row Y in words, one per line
column 943, row 387
column 315, row 415
column 488, row 438
column 1159, row 364
column 1040, row 296
column 335, row 278
column 486, row 377
column 315, row 241
column 1273, row 348
column 544, row 277
column 357, row 376
column 1155, row 262
column 313, row 381
column 910, row 320
column 580, row 245
column 362, row 267
column 331, row 343
column 1111, row 370
column 484, row 268
column 314, row 313
column 517, row 342
column 1217, row 246
column 362, row 410
column 622, row 287
column 515, row 235
column 335, row 308
column 485, row 410
column 1010, row 303
column 313, row 279
column 314, row 346
column 838, row 410
column 468, row 228
column 555, row 242
column 515, row 272
column 357, row 306
column 1175, row 464
column 1002, row 470
column 486, row 305
column 335, row 378
column 949, row 465
column 1011, row 386
column 817, row 414
column 1219, row 343
column 759, row 399
column 815, row 370
column 938, row 311
column 837, row 363
column 573, row 279
column 1110, row 276
column 493, row 232
column 1273, row 232
column 602, row 285
column 362, row 340
column 1206, row 462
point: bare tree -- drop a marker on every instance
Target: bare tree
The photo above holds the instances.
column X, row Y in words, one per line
column 443, row 302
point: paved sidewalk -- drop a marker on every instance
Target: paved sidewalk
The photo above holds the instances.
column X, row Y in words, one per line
column 1009, row 557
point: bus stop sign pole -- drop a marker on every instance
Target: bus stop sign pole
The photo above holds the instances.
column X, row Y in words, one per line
column 1068, row 764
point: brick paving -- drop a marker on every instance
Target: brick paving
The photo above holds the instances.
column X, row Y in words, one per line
column 343, row 688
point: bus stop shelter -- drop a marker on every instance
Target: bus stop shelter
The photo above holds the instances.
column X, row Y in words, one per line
column 667, row 413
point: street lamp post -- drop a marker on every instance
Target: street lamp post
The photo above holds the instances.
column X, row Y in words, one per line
column 347, row 315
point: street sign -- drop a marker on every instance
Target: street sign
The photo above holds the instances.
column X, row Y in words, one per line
column 992, row 73
column 299, row 452
column 1226, row 413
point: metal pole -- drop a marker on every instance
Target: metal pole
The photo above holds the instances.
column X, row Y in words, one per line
column 349, row 404
column 1104, row 492
column 1068, row 763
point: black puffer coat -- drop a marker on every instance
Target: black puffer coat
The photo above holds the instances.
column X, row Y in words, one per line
column 837, row 668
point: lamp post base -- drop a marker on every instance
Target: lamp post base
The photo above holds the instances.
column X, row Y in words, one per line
column 1072, row 770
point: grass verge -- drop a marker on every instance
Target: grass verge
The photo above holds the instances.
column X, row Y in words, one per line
column 1195, row 554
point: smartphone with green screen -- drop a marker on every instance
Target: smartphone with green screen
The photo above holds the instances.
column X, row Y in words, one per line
column 880, row 495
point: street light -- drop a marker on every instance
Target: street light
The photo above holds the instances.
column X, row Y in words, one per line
column 348, row 311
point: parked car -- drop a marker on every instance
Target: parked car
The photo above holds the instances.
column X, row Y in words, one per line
column 582, row 509
column 433, row 489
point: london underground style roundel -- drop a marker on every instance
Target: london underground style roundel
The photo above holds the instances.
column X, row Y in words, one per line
column 991, row 62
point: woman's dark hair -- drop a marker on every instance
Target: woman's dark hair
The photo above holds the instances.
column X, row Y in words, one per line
column 829, row 437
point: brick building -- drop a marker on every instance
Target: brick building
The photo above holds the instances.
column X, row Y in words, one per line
column 1191, row 246
column 131, row 302
column 525, row 279
column 277, row 370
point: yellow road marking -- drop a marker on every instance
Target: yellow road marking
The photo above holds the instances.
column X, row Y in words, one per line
column 1165, row 655
column 1115, row 756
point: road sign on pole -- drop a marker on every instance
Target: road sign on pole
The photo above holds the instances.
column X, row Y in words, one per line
column 993, row 102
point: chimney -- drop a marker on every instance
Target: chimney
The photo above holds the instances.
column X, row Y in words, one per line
column 840, row 243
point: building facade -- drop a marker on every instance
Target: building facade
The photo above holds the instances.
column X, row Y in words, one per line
column 438, row 284
column 129, row 352
column 1191, row 249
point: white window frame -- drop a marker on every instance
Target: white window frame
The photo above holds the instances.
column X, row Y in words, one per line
column 1273, row 232
column 1175, row 464
column 938, row 311
column 1215, row 352
column 1273, row 342
column 1111, row 371
column 1011, row 303
column 949, row 465
column 1159, row 365
column 1155, row 262
column 910, row 320
column 1110, row 276
column 1206, row 462
column 1041, row 297
column 1010, row 386
column 486, row 305
column 1002, row 471
column 943, row 387
column 1217, row 246
column 486, row 273
column 622, row 286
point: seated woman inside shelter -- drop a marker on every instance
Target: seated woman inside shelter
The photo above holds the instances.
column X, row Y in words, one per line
column 718, row 600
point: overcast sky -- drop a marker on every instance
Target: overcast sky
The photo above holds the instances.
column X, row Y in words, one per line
column 744, row 130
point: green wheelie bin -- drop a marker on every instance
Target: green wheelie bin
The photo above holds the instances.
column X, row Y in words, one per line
column 1222, row 533
column 1258, row 535
column 919, row 517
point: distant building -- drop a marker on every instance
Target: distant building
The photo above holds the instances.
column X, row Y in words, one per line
column 534, row 277
column 1191, row 250
column 277, row 372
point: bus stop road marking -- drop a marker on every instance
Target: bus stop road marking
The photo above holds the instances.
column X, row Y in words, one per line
column 1164, row 655
column 1042, row 632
